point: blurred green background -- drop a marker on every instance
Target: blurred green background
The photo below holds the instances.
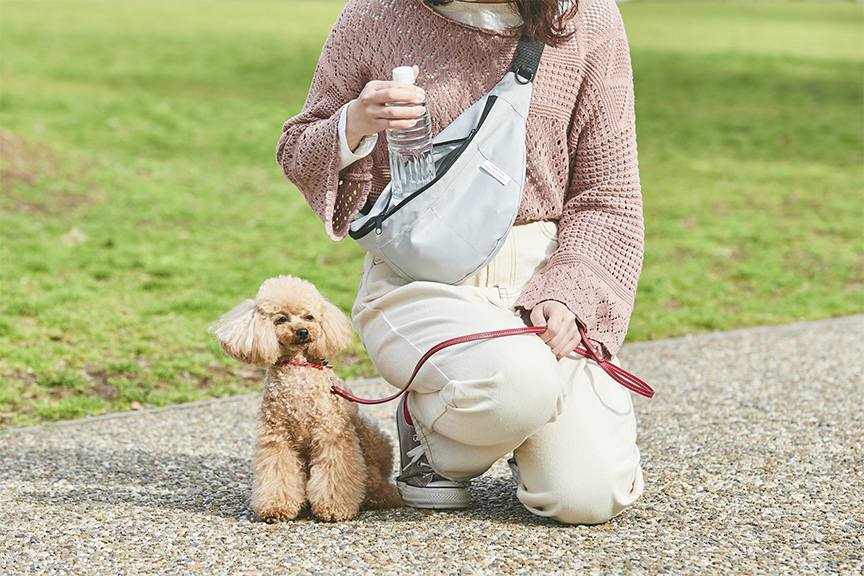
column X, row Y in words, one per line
column 141, row 199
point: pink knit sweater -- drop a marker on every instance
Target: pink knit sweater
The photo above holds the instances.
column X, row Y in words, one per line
column 581, row 143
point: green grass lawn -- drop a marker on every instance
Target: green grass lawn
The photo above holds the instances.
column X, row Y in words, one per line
column 141, row 198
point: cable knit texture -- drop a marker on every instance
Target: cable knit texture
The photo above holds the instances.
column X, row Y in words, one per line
column 581, row 142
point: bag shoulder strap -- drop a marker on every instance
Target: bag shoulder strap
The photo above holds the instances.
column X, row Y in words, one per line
column 526, row 60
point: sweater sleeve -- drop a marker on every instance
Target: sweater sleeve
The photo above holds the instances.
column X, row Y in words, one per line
column 308, row 150
column 601, row 234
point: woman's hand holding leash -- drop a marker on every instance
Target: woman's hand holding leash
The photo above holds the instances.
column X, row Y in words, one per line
column 562, row 332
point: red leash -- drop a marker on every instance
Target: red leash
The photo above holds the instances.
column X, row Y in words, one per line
column 623, row 377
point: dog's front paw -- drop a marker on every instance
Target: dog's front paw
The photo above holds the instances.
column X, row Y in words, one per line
column 278, row 514
column 335, row 511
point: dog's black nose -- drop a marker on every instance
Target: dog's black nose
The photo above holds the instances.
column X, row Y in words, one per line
column 302, row 333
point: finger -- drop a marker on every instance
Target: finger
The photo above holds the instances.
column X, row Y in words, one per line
column 398, row 124
column 559, row 338
column 559, row 341
column 374, row 119
column 538, row 318
column 565, row 333
column 566, row 348
column 398, row 113
column 386, row 92
column 560, row 321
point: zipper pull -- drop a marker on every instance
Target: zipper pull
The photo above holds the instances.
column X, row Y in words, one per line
column 379, row 222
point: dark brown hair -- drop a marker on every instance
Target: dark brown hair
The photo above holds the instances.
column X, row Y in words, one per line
column 542, row 19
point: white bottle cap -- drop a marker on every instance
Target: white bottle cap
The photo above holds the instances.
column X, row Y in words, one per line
column 403, row 74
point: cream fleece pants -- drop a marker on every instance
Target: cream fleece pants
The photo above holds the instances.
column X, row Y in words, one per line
column 571, row 427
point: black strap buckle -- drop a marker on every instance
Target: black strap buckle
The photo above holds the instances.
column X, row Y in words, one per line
column 526, row 60
column 524, row 75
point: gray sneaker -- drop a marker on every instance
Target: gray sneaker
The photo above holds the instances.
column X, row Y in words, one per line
column 514, row 470
column 418, row 484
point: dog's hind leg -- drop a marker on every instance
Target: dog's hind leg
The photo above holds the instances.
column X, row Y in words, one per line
column 378, row 454
column 279, row 488
column 380, row 493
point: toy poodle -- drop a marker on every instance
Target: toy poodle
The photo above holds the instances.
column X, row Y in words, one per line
column 313, row 446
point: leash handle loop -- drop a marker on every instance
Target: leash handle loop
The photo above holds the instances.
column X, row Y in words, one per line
column 620, row 376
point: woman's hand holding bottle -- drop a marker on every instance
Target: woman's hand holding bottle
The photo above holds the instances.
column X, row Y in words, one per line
column 371, row 114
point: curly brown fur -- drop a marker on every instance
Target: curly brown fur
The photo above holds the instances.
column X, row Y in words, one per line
column 312, row 446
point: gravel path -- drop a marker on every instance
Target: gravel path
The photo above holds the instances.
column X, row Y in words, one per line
column 752, row 454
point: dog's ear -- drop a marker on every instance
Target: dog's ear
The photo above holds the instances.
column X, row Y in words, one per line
column 247, row 335
column 336, row 332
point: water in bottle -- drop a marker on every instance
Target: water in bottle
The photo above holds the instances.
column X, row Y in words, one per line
column 411, row 163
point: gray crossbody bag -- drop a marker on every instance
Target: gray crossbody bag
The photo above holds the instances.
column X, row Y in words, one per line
column 454, row 225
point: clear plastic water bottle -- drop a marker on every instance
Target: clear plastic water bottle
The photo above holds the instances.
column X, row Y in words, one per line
column 411, row 163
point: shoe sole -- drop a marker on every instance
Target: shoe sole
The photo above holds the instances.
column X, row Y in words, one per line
column 434, row 498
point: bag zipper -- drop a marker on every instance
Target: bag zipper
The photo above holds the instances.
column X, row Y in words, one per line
column 378, row 222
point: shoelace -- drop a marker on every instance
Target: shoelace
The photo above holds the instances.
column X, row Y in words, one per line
column 416, row 454
column 417, row 458
column 620, row 375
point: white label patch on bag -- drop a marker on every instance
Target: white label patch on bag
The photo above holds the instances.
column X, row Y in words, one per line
column 495, row 172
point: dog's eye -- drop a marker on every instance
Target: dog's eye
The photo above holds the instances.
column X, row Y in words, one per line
column 310, row 317
column 281, row 320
